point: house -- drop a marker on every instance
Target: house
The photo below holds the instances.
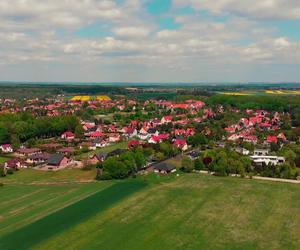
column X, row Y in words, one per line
column 88, row 126
column 114, row 137
column 100, row 142
column 66, row 150
column 129, row 132
column 37, row 159
column 166, row 119
column 220, row 144
column 164, row 168
column 181, row 144
column 58, row 160
column 198, row 104
column 117, row 152
column 281, row 137
column 231, row 129
column 88, row 144
column 260, row 152
column 272, row 139
column 28, row 151
column 133, row 144
column 244, row 122
column 152, row 131
column 68, row 136
column 250, row 138
column 6, row 148
column 14, row 164
column 98, row 157
column 158, row 138
column 144, row 133
column 242, row 151
column 96, row 134
column 267, row 159
column 234, row 137
column 51, row 146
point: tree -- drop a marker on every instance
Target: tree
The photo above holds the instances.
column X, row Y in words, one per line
column 290, row 156
column 15, row 141
column 4, row 134
column 140, row 159
column 198, row 139
column 79, row 131
column 187, row 164
column 129, row 161
column 114, row 168
column 3, row 171
column 166, row 148
column 274, row 147
column 198, row 164
column 220, row 169
column 160, row 156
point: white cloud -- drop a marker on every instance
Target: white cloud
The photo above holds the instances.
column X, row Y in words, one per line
column 35, row 34
column 264, row 9
column 282, row 42
column 36, row 14
column 132, row 32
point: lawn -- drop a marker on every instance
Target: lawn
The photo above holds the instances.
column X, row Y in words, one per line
column 119, row 145
column 31, row 176
column 4, row 158
column 189, row 211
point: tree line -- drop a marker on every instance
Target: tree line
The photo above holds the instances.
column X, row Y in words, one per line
column 21, row 127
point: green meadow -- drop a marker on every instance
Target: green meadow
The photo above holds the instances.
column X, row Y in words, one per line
column 189, row 211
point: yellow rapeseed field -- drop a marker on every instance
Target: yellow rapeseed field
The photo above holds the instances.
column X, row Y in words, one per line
column 103, row 98
column 283, row 92
column 236, row 93
column 87, row 98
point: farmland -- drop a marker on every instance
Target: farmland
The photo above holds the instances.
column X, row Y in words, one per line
column 188, row 211
column 87, row 98
column 263, row 92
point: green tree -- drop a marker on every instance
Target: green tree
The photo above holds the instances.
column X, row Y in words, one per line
column 198, row 164
column 79, row 131
column 274, row 147
column 4, row 134
column 114, row 168
column 140, row 159
column 187, row 164
column 3, row 171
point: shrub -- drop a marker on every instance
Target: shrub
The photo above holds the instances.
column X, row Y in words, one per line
column 10, row 171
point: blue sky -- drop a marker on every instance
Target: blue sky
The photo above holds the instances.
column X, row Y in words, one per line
column 150, row 40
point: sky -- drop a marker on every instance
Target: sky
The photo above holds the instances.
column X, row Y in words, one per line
column 150, row 40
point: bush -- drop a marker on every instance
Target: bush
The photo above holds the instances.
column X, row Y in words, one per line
column 187, row 164
column 10, row 171
column 198, row 164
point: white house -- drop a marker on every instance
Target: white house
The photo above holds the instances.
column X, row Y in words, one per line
column 267, row 159
column 260, row 152
column 242, row 151
column 6, row 148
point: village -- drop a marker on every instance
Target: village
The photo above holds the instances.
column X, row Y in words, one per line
column 199, row 136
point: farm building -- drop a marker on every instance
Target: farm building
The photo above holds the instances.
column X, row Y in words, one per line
column 164, row 168
column 58, row 160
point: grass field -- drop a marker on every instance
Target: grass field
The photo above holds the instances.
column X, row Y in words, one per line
column 4, row 158
column 119, row 145
column 185, row 212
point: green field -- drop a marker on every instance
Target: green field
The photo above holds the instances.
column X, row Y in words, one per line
column 4, row 158
column 107, row 149
column 179, row 212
